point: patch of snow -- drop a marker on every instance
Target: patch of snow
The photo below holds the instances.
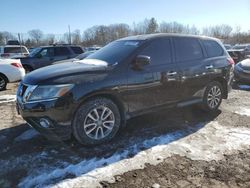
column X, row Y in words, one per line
column 243, row 111
column 26, row 135
column 208, row 143
column 7, row 98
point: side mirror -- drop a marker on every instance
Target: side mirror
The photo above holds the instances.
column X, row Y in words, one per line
column 140, row 62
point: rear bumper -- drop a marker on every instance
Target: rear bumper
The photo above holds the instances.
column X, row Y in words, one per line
column 16, row 75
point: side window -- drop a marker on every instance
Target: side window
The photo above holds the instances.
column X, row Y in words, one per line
column 187, row 49
column 159, row 51
column 46, row 52
column 61, row 51
column 213, row 49
column 77, row 50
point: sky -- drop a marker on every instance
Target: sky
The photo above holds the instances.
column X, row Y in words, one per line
column 54, row 16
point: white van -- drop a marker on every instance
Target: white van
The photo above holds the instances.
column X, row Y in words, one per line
column 12, row 51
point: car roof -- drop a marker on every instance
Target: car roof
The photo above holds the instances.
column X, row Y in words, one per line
column 15, row 46
column 162, row 35
column 59, row 45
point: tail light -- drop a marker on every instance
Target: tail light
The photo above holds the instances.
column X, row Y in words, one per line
column 5, row 55
column 18, row 65
column 230, row 61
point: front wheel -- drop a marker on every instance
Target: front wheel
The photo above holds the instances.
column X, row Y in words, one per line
column 3, row 83
column 96, row 121
column 212, row 96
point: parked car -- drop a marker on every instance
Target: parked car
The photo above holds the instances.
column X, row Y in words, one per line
column 92, row 48
column 227, row 46
column 79, row 57
column 242, row 71
column 13, row 51
column 239, row 52
column 13, row 42
column 11, row 70
column 236, row 54
column 46, row 55
column 94, row 97
column 245, row 47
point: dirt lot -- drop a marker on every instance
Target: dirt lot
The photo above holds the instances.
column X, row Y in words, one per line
column 185, row 148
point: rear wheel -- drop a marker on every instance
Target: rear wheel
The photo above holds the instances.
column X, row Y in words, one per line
column 3, row 82
column 212, row 96
column 96, row 121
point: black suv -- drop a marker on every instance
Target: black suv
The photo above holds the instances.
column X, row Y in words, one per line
column 46, row 55
column 93, row 98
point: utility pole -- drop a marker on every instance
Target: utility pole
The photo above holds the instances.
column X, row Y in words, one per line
column 69, row 35
column 19, row 38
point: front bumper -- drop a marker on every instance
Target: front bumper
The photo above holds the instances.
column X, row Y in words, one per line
column 57, row 112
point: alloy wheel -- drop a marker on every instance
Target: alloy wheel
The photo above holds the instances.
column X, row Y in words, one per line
column 214, row 97
column 99, row 122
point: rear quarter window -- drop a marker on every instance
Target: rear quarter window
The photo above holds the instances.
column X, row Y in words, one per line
column 187, row 49
column 77, row 50
column 213, row 49
column 61, row 51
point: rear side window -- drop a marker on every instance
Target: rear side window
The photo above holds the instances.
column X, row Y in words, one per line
column 77, row 50
column 159, row 51
column 15, row 50
column 187, row 49
column 213, row 49
column 61, row 51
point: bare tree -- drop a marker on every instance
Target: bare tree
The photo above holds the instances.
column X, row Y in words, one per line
column 1, row 39
column 151, row 25
column 36, row 34
column 76, row 37
column 50, row 39
column 7, row 36
column 220, row 31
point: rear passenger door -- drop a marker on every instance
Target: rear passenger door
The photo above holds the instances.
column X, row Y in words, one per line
column 194, row 73
column 61, row 53
column 216, row 60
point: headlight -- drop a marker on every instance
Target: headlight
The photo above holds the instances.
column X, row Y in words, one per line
column 46, row 92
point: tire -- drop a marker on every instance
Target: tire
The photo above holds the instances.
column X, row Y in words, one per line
column 3, row 82
column 90, row 129
column 212, row 97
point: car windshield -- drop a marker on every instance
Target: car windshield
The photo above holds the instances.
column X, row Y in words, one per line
column 115, row 51
column 34, row 52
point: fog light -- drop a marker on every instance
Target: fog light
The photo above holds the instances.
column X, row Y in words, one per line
column 45, row 123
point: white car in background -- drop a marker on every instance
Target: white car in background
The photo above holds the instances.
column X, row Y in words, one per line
column 11, row 70
column 13, row 51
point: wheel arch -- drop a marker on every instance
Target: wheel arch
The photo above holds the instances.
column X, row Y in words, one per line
column 121, row 106
column 5, row 77
column 223, row 82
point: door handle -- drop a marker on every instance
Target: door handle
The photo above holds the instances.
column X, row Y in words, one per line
column 209, row 67
column 171, row 73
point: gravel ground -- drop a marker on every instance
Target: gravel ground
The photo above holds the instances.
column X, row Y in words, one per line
column 28, row 155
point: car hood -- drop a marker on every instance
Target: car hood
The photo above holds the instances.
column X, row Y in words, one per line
column 245, row 64
column 64, row 61
column 64, row 70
